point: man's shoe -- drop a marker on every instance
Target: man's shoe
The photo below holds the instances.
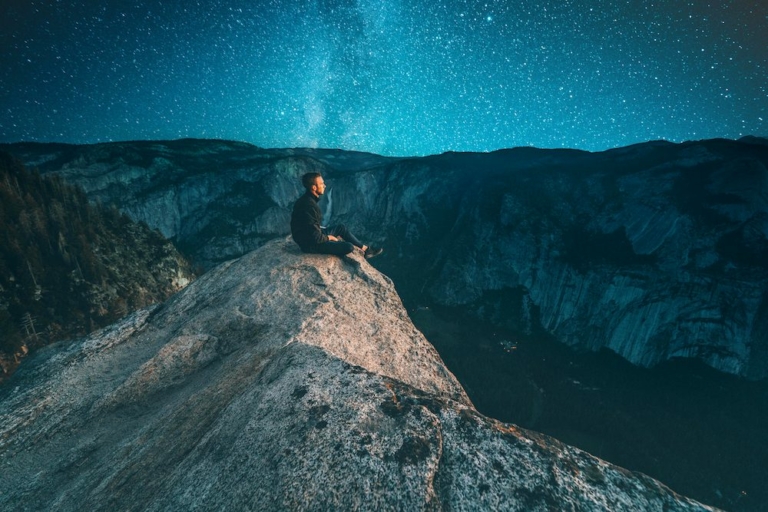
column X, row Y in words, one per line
column 370, row 252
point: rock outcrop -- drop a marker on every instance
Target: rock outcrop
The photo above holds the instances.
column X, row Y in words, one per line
column 656, row 251
column 279, row 381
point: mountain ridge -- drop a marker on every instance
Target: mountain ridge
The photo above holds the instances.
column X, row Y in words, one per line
column 503, row 252
column 590, row 241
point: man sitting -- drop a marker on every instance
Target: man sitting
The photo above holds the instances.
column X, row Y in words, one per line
column 307, row 230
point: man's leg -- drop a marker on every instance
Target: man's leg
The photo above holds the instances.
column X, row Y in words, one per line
column 334, row 248
column 342, row 231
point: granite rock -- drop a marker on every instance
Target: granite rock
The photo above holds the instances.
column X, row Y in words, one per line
column 280, row 381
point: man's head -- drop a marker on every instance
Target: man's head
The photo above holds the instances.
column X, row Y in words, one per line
column 314, row 183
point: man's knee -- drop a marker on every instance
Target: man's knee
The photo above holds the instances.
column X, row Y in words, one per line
column 347, row 248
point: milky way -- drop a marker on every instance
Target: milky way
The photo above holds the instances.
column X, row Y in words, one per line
column 399, row 77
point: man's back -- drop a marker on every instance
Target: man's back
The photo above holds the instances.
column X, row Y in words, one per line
column 305, row 222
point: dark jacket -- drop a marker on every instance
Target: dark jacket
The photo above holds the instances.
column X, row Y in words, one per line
column 305, row 222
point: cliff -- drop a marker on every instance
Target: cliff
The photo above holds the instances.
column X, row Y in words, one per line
column 656, row 251
column 279, row 381
column 215, row 199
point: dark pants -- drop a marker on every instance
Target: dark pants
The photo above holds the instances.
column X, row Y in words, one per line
column 337, row 248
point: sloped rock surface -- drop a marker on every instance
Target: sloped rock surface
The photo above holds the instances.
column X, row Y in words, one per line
column 279, row 381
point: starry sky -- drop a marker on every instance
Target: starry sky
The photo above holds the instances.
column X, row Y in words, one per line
column 394, row 77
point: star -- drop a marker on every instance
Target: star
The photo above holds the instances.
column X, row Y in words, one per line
column 406, row 77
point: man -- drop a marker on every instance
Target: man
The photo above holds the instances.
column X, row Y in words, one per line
column 307, row 230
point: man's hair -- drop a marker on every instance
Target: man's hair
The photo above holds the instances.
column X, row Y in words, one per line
column 309, row 179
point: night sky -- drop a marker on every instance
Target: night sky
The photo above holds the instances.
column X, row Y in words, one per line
column 394, row 77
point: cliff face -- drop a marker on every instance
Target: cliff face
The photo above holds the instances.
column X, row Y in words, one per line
column 279, row 381
column 655, row 251
column 215, row 199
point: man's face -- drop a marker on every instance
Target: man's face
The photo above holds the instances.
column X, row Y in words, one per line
column 318, row 188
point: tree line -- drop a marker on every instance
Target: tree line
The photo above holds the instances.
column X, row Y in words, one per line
column 67, row 266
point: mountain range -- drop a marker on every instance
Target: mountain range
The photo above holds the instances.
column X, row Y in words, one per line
column 655, row 251
column 653, row 255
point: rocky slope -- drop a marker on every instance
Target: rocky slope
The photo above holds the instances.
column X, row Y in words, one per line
column 656, row 251
column 280, row 381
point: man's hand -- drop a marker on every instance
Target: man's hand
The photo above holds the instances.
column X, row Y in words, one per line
column 334, row 238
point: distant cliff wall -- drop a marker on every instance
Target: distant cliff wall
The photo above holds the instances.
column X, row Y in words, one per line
column 654, row 251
